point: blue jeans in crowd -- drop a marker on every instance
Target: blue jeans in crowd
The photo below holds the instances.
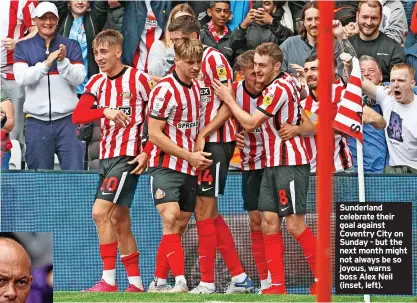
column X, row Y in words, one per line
column 5, row 160
column 44, row 139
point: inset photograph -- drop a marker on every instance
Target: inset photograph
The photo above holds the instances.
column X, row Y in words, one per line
column 26, row 267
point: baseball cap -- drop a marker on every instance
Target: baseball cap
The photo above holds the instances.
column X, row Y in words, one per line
column 45, row 7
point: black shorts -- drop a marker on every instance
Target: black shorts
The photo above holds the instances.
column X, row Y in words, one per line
column 284, row 189
column 116, row 184
column 212, row 181
column 251, row 186
column 168, row 185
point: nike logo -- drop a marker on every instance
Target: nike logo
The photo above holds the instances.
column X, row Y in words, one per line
column 170, row 253
column 206, row 189
column 309, row 256
column 201, row 257
column 284, row 209
column 245, row 283
column 104, row 193
column 268, row 261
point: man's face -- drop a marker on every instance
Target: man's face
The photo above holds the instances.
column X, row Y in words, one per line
column 311, row 70
column 402, row 84
column 178, row 34
column 311, row 22
column 248, row 73
column 265, row 69
column 189, row 67
column 47, row 24
column 107, row 56
column 15, row 278
column 371, row 71
column 220, row 13
column 79, row 7
column 269, row 7
column 369, row 20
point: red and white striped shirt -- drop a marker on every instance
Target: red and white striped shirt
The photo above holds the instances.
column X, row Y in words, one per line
column 342, row 157
column 178, row 104
column 214, row 66
column 281, row 101
column 128, row 91
column 253, row 154
column 152, row 32
column 15, row 16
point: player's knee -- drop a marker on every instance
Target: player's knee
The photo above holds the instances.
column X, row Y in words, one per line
column 100, row 215
column 255, row 221
column 295, row 227
column 118, row 219
column 255, row 225
column 171, row 220
column 269, row 226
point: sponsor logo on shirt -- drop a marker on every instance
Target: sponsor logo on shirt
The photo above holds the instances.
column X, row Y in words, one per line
column 221, row 72
column 205, row 91
column 267, row 100
column 126, row 109
column 184, row 125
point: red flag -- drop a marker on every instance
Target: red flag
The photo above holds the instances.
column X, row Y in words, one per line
column 349, row 114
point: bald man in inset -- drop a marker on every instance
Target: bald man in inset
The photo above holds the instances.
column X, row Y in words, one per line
column 15, row 267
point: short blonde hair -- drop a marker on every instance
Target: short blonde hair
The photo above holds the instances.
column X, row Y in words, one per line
column 410, row 69
column 108, row 37
column 188, row 48
column 272, row 50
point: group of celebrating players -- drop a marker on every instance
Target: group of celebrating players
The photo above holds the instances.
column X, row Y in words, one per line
column 184, row 129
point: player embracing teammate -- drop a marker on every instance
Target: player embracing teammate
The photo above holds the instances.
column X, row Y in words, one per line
column 284, row 186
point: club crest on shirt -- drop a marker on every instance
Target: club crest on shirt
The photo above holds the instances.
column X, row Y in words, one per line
column 267, row 100
column 159, row 194
column 221, row 72
column 126, row 95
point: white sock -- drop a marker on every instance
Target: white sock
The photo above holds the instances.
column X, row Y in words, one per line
column 160, row 281
column 265, row 283
column 180, row 278
column 136, row 280
column 208, row 285
column 239, row 278
column 109, row 276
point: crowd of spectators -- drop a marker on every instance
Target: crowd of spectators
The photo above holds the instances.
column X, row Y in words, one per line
column 47, row 58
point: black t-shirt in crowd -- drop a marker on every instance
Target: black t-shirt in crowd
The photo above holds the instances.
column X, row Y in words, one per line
column 385, row 50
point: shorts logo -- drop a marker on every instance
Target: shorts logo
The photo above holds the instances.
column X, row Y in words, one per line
column 221, row 72
column 267, row 100
column 159, row 194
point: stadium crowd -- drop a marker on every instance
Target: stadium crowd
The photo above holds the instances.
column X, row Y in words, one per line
column 151, row 84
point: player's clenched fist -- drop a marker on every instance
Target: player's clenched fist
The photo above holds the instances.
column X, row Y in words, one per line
column 199, row 160
column 116, row 116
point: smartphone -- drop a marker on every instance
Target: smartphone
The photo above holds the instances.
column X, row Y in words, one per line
column 256, row 4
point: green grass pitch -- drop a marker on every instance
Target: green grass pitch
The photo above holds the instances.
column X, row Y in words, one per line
column 60, row 296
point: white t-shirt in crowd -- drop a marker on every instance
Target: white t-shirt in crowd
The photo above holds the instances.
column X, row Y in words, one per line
column 401, row 130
